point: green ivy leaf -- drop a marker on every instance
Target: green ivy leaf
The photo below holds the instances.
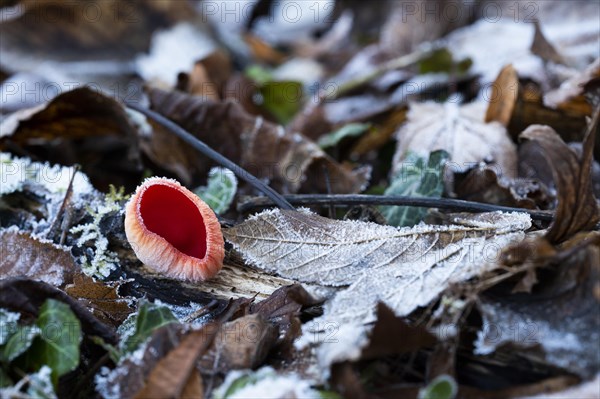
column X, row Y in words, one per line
column 419, row 177
column 148, row 318
column 259, row 74
column 220, row 190
column 443, row 387
column 349, row 130
column 5, row 380
column 57, row 345
column 19, row 342
column 282, row 99
column 441, row 60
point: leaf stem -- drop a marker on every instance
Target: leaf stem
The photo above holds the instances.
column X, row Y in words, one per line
column 205, row 150
column 362, row 199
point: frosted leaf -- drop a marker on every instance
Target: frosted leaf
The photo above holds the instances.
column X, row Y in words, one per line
column 264, row 383
column 313, row 249
column 220, row 190
column 23, row 255
column 403, row 267
column 458, row 130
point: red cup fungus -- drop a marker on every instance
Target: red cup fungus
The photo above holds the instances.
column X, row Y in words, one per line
column 174, row 232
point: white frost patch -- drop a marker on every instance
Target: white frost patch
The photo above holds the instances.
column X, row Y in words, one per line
column 16, row 172
column 39, row 385
column 491, row 46
column 265, row 383
column 8, row 324
column 338, row 342
column 173, row 51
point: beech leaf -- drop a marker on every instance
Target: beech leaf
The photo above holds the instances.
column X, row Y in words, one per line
column 403, row 267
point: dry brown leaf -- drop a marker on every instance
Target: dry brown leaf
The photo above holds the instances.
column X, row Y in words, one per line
column 504, row 96
column 22, row 255
column 172, row 374
column 569, row 97
column 482, row 184
column 577, row 209
column 459, row 130
column 101, row 298
column 290, row 161
column 240, row 344
column 107, row 29
column 208, row 77
column 282, row 308
column 83, row 127
column 542, row 47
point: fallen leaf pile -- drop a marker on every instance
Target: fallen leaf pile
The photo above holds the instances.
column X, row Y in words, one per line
column 440, row 162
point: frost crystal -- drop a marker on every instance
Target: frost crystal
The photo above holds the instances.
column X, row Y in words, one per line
column 103, row 261
column 8, row 324
column 264, row 383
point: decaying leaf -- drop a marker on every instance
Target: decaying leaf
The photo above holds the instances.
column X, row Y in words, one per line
column 242, row 343
column 101, row 298
column 282, row 308
column 171, row 376
column 382, row 343
column 22, row 255
column 459, row 130
column 503, row 97
column 569, row 97
column 132, row 372
column 577, row 209
column 541, row 47
column 70, row 31
column 403, row 267
column 80, row 126
column 290, row 161
column 482, row 184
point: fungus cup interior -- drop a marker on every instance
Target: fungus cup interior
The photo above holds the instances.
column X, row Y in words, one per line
column 169, row 213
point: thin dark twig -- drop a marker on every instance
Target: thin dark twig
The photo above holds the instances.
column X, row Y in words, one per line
column 328, row 185
column 199, row 145
column 361, row 199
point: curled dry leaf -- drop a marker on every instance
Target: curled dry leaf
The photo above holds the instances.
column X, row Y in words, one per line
column 240, row 344
column 131, row 374
column 81, row 126
column 22, row 255
column 176, row 372
column 561, row 318
column 577, row 209
column 282, row 308
column 290, row 161
column 460, row 131
column 482, row 184
column 569, row 97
